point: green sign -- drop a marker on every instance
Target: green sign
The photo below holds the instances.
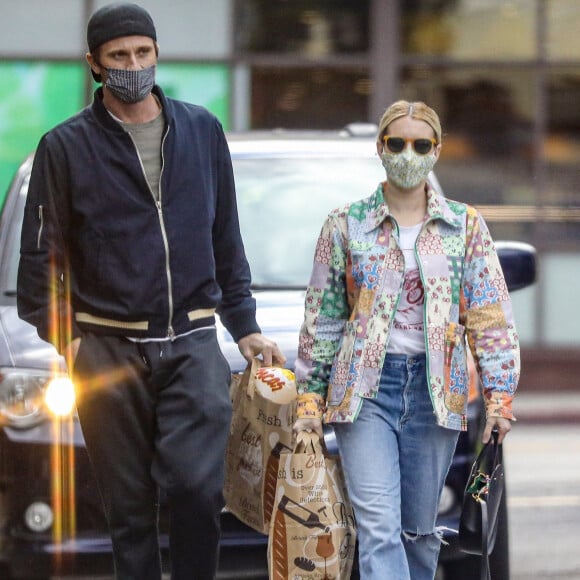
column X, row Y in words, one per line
column 33, row 98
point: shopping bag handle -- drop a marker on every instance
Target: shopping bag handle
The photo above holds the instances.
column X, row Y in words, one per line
column 251, row 369
column 307, row 442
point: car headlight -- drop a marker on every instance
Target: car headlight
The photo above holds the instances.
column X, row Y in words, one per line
column 23, row 394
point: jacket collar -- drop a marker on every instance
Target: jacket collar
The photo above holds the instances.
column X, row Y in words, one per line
column 437, row 208
column 105, row 119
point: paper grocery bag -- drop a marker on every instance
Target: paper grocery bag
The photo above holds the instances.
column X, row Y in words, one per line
column 312, row 531
column 260, row 430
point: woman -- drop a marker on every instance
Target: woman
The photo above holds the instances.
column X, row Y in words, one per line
column 402, row 280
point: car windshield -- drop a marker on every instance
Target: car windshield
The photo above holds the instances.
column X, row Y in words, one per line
column 282, row 203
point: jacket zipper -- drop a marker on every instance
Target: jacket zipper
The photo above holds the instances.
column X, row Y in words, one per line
column 40, row 225
column 159, row 206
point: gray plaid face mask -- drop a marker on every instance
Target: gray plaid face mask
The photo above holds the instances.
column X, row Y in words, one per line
column 130, row 86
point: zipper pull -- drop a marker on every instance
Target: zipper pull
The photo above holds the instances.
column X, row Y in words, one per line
column 40, row 225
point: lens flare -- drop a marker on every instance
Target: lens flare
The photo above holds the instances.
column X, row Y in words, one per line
column 63, row 488
column 60, row 396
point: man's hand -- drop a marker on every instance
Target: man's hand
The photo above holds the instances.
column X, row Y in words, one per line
column 503, row 427
column 254, row 344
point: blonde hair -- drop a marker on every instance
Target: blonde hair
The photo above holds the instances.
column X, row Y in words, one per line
column 417, row 110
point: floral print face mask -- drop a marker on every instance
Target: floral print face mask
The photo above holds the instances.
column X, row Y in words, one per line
column 408, row 169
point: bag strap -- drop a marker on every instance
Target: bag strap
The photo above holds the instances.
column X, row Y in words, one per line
column 497, row 454
column 485, row 571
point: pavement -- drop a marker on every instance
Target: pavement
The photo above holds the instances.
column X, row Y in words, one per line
column 548, row 407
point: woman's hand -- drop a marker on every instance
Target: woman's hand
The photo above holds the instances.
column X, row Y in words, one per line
column 501, row 425
column 308, row 425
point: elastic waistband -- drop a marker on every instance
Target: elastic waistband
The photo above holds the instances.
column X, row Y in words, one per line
column 141, row 325
column 111, row 322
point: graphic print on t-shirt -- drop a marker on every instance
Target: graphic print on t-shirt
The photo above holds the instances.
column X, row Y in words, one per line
column 409, row 315
column 407, row 332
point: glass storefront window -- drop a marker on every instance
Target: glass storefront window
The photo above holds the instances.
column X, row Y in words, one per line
column 469, row 29
column 562, row 145
column 308, row 98
column 487, row 116
column 563, row 40
column 310, row 28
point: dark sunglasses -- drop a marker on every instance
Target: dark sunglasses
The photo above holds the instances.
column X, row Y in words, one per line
column 421, row 146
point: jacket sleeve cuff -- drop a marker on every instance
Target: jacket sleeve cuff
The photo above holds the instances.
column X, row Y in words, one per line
column 310, row 406
column 498, row 404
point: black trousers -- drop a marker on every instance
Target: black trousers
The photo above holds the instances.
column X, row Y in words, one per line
column 156, row 415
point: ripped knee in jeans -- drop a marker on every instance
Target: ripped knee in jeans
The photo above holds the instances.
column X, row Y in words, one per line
column 437, row 533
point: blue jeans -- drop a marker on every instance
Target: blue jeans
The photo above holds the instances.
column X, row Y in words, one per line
column 395, row 460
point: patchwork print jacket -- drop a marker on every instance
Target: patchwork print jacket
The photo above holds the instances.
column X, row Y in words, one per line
column 353, row 294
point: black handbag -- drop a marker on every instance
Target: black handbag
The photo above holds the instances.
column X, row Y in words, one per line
column 481, row 501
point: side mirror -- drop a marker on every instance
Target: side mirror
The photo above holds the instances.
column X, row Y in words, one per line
column 518, row 262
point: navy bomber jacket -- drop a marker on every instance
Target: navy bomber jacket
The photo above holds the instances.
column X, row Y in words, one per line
column 98, row 245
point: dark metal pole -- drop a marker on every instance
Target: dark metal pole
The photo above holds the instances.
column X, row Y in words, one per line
column 539, row 163
column 384, row 51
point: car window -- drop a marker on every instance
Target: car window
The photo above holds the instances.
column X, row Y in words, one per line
column 282, row 203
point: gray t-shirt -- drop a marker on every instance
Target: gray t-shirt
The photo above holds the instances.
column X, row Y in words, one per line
column 147, row 138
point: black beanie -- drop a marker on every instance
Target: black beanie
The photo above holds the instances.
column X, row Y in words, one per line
column 116, row 20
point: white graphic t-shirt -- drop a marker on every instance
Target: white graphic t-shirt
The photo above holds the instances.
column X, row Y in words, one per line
column 407, row 332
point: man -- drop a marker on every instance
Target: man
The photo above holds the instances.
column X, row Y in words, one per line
column 130, row 244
